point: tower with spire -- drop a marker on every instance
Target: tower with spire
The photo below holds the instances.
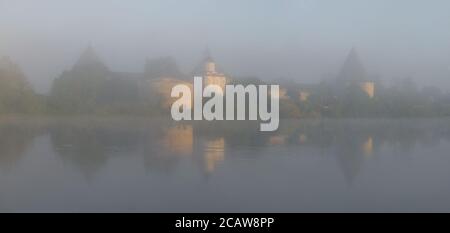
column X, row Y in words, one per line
column 210, row 65
column 210, row 74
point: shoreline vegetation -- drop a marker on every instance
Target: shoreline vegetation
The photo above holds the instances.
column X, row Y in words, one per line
column 91, row 89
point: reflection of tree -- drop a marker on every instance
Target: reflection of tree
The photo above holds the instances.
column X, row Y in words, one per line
column 14, row 139
column 81, row 147
column 88, row 147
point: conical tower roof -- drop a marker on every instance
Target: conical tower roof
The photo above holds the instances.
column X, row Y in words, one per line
column 353, row 70
column 89, row 59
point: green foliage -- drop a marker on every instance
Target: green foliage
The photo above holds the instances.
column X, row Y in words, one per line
column 77, row 91
column 289, row 109
column 90, row 88
column 16, row 95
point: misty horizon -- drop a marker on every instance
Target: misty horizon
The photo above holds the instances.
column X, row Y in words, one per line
column 304, row 41
column 256, row 107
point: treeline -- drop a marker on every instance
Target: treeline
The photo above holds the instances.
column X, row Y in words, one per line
column 16, row 94
column 90, row 87
column 403, row 99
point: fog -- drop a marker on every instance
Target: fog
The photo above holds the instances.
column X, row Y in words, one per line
column 301, row 40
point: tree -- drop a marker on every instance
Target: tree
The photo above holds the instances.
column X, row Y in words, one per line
column 16, row 94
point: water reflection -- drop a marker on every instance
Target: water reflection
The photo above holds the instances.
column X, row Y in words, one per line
column 165, row 144
column 277, row 140
column 15, row 138
column 179, row 140
column 214, row 153
column 196, row 149
column 87, row 145
column 367, row 147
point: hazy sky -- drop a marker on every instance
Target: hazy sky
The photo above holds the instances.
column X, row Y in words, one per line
column 302, row 40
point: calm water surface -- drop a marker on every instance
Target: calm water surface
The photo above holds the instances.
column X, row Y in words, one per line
column 142, row 165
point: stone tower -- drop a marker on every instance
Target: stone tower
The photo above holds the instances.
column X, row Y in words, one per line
column 210, row 74
column 353, row 74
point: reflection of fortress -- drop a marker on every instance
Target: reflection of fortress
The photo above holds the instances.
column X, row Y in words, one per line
column 367, row 147
column 165, row 145
column 88, row 144
column 351, row 145
column 179, row 139
column 214, row 153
